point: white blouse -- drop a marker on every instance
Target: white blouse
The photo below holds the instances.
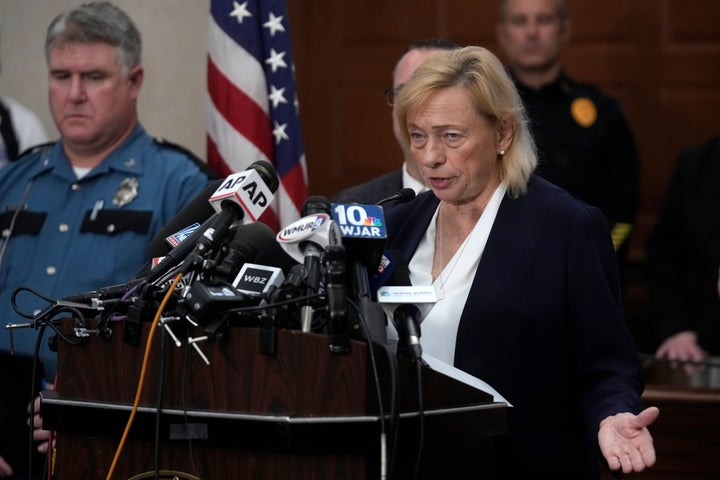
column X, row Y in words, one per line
column 440, row 320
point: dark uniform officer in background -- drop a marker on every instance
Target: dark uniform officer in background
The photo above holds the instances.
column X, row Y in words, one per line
column 584, row 142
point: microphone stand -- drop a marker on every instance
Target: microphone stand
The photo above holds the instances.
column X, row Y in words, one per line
column 338, row 325
column 368, row 310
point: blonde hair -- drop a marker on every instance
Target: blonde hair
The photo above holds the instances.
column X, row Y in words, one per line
column 493, row 95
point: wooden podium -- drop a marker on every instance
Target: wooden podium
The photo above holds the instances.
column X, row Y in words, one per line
column 300, row 413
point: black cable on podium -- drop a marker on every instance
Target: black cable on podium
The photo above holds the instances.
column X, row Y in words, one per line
column 386, row 463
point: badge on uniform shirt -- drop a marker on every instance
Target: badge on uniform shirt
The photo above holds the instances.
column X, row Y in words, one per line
column 583, row 111
column 126, row 192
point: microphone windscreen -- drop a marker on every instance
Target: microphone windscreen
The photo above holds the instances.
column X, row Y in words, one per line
column 196, row 210
column 273, row 255
column 316, row 204
column 405, row 195
column 267, row 172
column 401, row 196
column 253, row 237
column 348, row 199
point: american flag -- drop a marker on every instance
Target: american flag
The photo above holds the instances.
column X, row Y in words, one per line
column 252, row 105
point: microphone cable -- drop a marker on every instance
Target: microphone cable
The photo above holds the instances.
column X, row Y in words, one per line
column 159, row 404
column 141, row 380
column 33, row 393
column 386, row 462
column 421, row 418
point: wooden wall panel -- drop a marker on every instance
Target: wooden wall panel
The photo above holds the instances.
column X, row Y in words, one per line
column 601, row 21
column 693, row 20
column 470, row 23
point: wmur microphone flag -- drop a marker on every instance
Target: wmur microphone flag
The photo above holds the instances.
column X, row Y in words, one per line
column 252, row 108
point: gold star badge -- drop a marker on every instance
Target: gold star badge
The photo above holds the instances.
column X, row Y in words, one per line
column 583, row 111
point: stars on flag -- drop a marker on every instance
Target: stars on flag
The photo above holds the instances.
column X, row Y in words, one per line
column 277, row 96
column 253, row 100
column 274, row 24
column 240, row 12
column 276, row 60
column 279, row 132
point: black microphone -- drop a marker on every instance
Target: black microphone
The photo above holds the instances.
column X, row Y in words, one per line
column 338, row 326
column 363, row 232
column 175, row 256
column 194, row 212
column 241, row 196
column 209, row 297
column 402, row 196
column 406, row 315
column 247, row 241
column 109, row 292
column 362, row 228
column 274, row 254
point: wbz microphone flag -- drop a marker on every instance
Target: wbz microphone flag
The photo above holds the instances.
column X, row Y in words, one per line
column 252, row 109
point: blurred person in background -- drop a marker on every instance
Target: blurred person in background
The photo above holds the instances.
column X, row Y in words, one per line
column 683, row 260
column 408, row 175
column 20, row 129
column 585, row 144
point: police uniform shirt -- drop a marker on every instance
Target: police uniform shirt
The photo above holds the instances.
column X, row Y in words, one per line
column 585, row 145
column 71, row 236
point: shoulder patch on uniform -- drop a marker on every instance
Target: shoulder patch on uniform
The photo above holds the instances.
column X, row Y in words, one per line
column 212, row 175
column 41, row 147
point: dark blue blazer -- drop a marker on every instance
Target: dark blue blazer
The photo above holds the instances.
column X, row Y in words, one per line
column 544, row 325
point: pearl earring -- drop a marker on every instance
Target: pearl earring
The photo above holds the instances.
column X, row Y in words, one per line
column 502, row 153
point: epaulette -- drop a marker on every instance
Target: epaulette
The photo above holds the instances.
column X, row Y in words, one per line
column 212, row 175
column 575, row 88
column 39, row 148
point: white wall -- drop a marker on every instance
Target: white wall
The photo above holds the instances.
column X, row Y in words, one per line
column 172, row 100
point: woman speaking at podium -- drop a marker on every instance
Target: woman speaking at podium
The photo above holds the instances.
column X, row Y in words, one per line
column 526, row 277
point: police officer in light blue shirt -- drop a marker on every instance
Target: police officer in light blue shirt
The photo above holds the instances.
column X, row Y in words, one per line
column 78, row 215
column 70, row 235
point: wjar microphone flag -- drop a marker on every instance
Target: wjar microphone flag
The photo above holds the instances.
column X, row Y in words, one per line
column 252, row 108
